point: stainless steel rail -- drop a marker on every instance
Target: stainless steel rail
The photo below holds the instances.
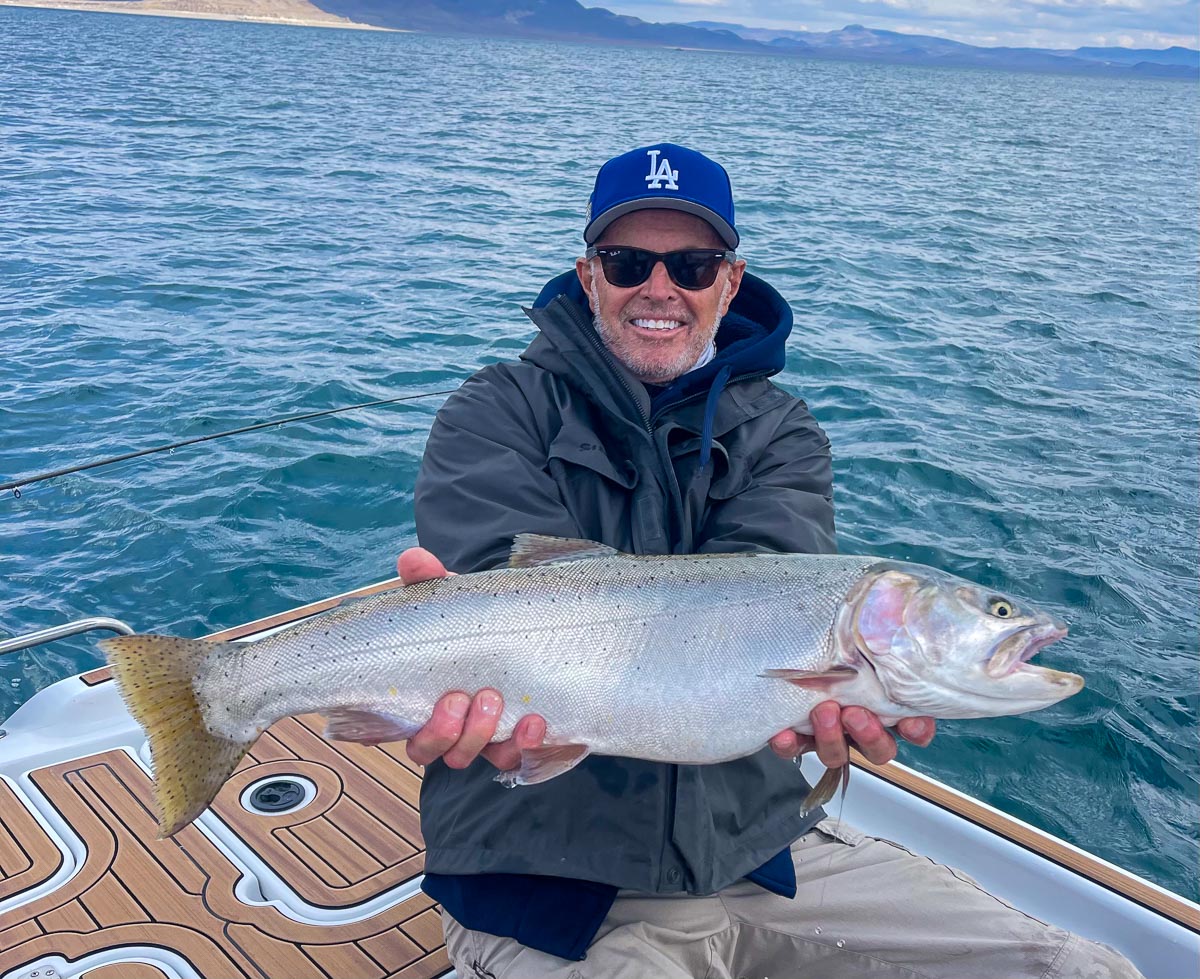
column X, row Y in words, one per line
column 62, row 631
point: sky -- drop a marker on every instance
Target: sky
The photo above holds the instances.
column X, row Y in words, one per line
column 990, row 23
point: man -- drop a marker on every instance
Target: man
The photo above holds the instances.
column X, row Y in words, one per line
column 641, row 416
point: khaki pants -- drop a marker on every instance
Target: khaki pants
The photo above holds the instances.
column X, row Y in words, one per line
column 865, row 907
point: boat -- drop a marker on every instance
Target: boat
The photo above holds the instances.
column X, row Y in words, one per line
column 309, row 861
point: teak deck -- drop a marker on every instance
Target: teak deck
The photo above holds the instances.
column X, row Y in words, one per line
column 357, row 839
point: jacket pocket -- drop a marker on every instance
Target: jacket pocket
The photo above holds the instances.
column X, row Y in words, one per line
column 731, row 482
column 730, row 474
column 577, row 445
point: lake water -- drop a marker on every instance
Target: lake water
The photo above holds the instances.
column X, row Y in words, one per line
column 205, row 225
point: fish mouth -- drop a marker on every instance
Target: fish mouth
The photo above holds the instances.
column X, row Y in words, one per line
column 1014, row 653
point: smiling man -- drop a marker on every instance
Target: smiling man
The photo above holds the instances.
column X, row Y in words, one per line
column 669, row 269
column 655, row 327
column 642, row 416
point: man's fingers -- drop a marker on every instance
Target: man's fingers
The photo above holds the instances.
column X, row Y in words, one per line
column 830, row 740
column 442, row 730
column 478, row 729
column 790, row 744
column 784, row 744
column 869, row 734
column 529, row 733
column 417, row 564
column 917, row 730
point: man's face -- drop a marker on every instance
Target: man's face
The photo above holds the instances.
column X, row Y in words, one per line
column 657, row 329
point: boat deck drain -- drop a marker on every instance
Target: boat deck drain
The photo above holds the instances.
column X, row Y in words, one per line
column 277, row 795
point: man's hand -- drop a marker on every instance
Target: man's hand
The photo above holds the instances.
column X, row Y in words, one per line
column 462, row 727
column 831, row 723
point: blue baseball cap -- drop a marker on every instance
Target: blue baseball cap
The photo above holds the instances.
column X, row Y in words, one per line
column 664, row 175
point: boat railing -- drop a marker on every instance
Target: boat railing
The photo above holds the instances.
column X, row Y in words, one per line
column 41, row 636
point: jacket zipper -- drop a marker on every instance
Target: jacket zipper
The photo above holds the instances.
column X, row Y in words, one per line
column 604, row 352
column 672, row 786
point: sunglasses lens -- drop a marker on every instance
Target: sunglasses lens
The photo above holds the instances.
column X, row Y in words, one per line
column 693, row 270
column 626, row 267
column 629, row 267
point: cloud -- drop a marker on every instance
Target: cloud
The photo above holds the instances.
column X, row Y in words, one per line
column 1018, row 23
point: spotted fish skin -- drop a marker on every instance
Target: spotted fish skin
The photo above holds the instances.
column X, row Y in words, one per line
column 684, row 659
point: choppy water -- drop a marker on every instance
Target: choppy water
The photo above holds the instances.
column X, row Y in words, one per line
column 205, row 224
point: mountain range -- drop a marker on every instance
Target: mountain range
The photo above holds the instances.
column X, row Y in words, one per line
column 552, row 19
column 861, row 43
column 570, row 20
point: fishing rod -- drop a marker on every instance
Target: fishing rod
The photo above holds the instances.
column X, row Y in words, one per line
column 16, row 484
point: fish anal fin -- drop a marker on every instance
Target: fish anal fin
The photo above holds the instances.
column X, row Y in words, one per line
column 814, row 679
column 532, row 550
column 365, row 726
column 544, row 763
column 825, row 788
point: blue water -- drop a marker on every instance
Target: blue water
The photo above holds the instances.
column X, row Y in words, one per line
column 205, row 225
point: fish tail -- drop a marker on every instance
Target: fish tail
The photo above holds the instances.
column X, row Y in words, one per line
column 156, row 676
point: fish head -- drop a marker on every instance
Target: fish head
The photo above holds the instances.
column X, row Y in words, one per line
column 946, row 647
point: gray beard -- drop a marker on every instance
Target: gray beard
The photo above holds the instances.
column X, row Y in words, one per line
column 610, row 335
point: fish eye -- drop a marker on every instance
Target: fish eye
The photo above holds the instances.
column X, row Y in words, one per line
column 1002, row 609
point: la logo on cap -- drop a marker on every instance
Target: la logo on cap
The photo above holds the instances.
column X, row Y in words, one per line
column 660, row 171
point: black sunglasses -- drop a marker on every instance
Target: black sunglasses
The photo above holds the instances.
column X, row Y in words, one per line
column 691, row 268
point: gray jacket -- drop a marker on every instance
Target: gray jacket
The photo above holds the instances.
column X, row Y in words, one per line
column 565, row 443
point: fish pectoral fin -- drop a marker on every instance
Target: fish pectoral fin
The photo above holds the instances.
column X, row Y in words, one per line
column 823, row 791
column 544, row 763
column 367, row 726
column 532, row 550
column 813, row 679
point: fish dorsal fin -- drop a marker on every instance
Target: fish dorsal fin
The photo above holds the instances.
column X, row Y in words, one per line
column 532, row 550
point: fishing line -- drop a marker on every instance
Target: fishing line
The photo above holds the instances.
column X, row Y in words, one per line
column 16, row 484
column 837, row 837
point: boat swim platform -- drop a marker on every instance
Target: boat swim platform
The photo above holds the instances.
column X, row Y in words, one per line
column 325, row 881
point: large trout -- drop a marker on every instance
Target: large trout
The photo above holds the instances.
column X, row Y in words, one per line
column 686, row 659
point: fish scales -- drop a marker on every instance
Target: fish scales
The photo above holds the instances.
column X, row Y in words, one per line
column 620, row 654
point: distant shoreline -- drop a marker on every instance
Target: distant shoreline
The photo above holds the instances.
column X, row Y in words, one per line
column 289, row 13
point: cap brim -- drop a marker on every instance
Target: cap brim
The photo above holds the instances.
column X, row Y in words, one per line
column 597, row 225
